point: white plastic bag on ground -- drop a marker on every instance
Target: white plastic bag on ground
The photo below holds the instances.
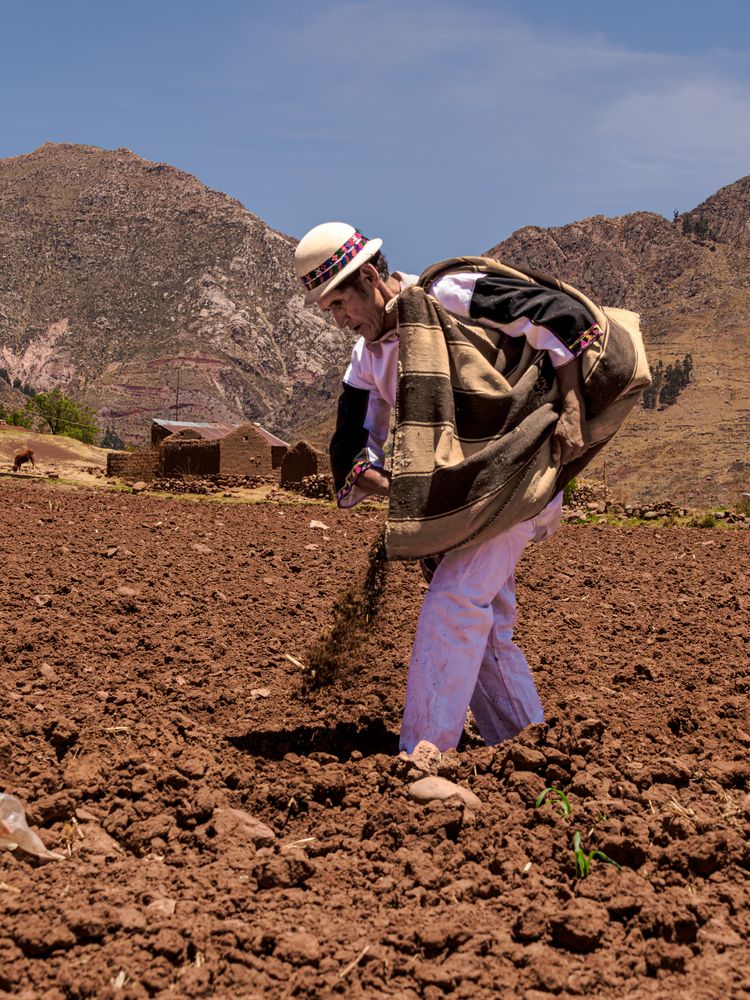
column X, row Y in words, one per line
column 15, row 832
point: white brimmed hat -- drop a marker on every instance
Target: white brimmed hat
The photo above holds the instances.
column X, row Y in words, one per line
column 328, row 254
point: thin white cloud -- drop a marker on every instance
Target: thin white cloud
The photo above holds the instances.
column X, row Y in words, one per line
column 477, row 84
column 686, row 127
column 455, row 72
column 409, row 108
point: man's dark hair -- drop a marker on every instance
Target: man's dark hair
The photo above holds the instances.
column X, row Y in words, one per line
column 381, row 265
column 354, row 280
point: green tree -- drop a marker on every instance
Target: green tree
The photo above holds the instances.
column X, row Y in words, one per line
column 16, row 418
column 20, row 418
column 667, row 383
column 687, row 224
column 651, row 395
column 111, row 439
column 60, row 414
column 670, row 387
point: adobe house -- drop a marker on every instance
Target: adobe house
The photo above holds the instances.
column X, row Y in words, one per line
column 195, row 448
column 161, row 429
column 186, row 453
column 250, row 447
column 300, row 461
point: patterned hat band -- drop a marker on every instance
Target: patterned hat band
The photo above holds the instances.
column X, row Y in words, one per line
column 333, row 264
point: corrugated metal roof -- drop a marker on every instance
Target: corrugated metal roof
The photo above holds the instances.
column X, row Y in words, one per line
column 209, row 432
column 212, row 432
column 271, row 438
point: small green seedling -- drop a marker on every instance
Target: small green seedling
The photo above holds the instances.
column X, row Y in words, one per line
column 583, row 860
column 558, row 798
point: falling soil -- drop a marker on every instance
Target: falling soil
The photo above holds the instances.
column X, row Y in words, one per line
column 224, row 837
column 331, row 656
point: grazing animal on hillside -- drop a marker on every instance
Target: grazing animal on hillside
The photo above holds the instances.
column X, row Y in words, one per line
column 22, row 457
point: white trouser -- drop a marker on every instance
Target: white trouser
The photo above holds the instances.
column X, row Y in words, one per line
column 463, row 654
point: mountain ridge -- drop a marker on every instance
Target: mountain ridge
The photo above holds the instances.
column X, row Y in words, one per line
column 116, row 269
column 693, row 296
column 142, row 292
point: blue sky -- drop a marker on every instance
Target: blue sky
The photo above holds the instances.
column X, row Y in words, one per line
column 441, row 126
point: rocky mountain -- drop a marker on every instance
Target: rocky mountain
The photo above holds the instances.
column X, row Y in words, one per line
column 143, row 293
column 728, row 213
column 11, row 398
column 136, row 289
column 693, row 296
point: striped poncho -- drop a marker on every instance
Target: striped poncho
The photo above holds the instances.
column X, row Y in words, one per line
column 476, row 409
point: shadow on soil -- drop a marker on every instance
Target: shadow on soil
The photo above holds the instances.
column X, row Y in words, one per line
column 369, row 737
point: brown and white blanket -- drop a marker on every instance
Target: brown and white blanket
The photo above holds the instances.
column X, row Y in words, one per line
column 476, row 413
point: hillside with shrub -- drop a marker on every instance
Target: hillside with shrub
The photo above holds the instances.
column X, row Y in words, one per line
column 691, row 439
column 139, row 292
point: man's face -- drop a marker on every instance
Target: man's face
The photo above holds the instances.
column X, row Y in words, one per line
column 359, row 307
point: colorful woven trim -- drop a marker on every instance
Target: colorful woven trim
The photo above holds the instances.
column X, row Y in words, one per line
column 352, row 478
column 587, row 338
column 338, row 260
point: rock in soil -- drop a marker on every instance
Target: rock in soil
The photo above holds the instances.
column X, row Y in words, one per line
column 432, row 787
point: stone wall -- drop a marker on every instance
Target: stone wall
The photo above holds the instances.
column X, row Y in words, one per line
column 209, row 484
column 133, row 464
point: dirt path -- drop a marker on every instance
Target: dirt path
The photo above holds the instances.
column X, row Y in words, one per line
column 146, row 693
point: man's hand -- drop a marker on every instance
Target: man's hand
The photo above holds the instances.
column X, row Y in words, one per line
column 375, row 481
column 570, row 437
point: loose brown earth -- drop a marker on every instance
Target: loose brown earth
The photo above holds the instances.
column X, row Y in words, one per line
column 146, row 693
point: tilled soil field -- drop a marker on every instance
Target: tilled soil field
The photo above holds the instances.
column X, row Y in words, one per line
column 227, row 834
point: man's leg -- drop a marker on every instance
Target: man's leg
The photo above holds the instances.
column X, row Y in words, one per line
column 505, row 698
column 451, row 639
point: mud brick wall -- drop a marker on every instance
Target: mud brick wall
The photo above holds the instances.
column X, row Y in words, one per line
column 188, row 458
column 158, row 434
column 245, row 452
column 300, row 461
column 133, row 464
